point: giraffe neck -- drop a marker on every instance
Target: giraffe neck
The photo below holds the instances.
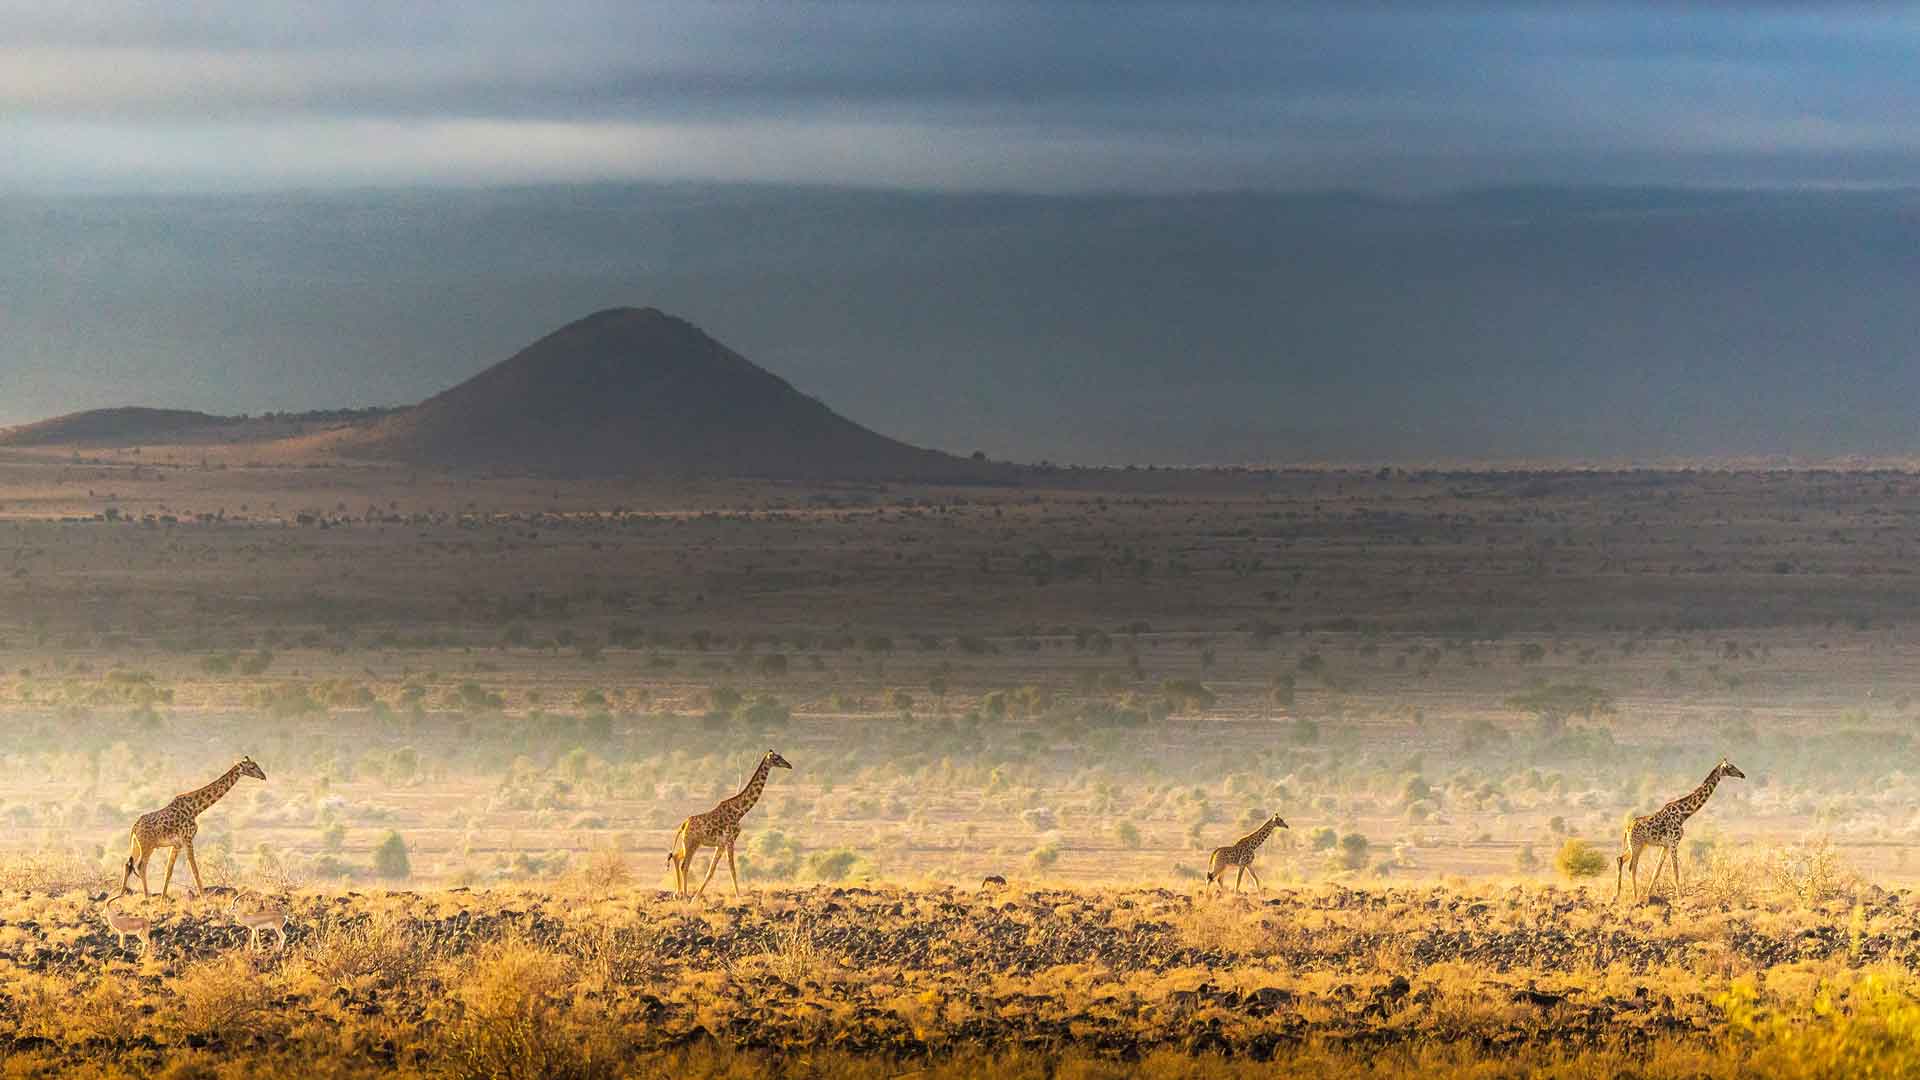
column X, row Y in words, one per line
column 1698, row 798
column 194, row 802
column 750, row 794
column 1257, row 837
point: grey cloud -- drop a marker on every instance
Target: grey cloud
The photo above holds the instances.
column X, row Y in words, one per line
column 1033, row 96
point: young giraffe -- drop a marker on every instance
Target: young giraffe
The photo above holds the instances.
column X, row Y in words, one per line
column 718, row 828
column 173, row 826
column 1240, row 854
column 1662, row 829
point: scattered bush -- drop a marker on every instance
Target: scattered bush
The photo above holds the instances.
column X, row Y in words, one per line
column 606, row 870
column 831, row 865
column 507, row 1020
column 222, row 997
column 1579, row 859
column 390, row 858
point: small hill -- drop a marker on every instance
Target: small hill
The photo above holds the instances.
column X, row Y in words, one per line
column 112, row 427
column 635, row 391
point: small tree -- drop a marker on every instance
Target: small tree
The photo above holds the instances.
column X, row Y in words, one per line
column 1579, row 859
column 1186, row 695
column 831, row 865
column 1552, row 705
column 1353, row 851
column 390, row 858
column 1281, row 690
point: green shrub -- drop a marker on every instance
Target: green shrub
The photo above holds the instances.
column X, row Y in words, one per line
column 1579, row 859
column 831, row 865
column 390, row 858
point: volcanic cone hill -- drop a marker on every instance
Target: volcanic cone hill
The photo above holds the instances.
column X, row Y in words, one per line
column 637, row 391
column 102, row 427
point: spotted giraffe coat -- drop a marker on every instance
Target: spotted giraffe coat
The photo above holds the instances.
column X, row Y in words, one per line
column 174, row 826
column 719, row 828
column 1240, row 853
column 1663, row 829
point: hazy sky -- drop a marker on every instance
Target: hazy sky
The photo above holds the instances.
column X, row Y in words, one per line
column 1086, row 231
column 957, row 94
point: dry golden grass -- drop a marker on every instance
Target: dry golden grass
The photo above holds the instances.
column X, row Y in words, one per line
column 1324, row 981
column 226, row 996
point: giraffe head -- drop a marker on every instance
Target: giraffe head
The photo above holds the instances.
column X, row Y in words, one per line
column 1277, row 822
column 1726, row 768
column 776, row 761
column 248, row 768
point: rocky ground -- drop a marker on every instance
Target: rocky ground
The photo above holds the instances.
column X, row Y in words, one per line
column 1120, row 975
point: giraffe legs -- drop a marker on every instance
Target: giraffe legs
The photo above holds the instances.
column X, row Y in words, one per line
column 1676, row 871
column 732, row 870
column 1633, row 872
column 1256, row 879
column 683, row 869
column 711, row 867
column 173, row 856
column 194, row 865
column 1239, row 877
column 1658, row 865
column 137, row 857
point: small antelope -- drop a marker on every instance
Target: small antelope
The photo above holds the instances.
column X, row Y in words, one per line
column 127, row 926
column 273, row 919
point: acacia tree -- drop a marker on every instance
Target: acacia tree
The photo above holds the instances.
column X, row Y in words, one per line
column 1553, row 705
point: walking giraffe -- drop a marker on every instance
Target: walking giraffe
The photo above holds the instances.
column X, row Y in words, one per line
column 1240, row 854
column 173, row 826
column 1662, row 829
column 718, row 828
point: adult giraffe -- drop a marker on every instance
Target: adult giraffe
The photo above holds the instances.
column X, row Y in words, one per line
column 1662, row 829
column 173, row 826
column 718, row 828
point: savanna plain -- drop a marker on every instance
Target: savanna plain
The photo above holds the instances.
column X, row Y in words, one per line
column 1020, row 715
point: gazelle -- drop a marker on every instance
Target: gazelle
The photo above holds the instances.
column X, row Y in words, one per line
column 134, row 926
column 255, row 921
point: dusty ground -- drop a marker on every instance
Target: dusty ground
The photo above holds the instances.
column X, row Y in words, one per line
column 1082, row 684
